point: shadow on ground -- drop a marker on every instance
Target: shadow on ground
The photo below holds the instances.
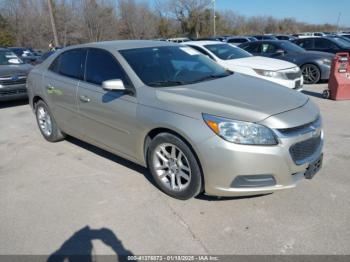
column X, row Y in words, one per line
column 315, row 94
column 214, row 198
column 112, row 157
column 79, row 246
column 7, row 104
column 142, row 170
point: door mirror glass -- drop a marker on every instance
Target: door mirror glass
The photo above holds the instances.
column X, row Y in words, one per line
column 113, row 85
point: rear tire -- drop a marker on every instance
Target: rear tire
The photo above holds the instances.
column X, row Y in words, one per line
column 174, row 167
column 47, row 124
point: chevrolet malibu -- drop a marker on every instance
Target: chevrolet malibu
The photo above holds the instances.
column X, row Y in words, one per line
column 196, row 126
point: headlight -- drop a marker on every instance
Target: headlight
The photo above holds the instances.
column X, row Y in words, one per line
column 326, row 61
column 269, row 73
column 239, row 132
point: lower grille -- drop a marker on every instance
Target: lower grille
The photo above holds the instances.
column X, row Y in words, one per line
column 301, row 151
column 293, row 75
column 13, row 92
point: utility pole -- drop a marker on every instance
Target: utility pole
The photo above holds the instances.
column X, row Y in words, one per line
column 214, row 19
column 338, row 21
column 53, row 24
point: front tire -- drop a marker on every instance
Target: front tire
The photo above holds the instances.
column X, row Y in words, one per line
column 47, row 124
column 311, row 73
column 174, row 167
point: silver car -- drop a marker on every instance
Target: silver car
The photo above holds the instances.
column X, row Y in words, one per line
column 196, row 126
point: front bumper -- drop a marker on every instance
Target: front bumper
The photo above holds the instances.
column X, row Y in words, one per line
column 223, row 162
column 13, row 92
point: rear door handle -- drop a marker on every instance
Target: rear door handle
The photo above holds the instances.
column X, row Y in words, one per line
column 84, row 99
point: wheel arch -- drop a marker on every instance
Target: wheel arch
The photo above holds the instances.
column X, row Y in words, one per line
column 159, row 130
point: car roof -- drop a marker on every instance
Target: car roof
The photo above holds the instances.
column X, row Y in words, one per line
column 124, row 44
column 203, row 43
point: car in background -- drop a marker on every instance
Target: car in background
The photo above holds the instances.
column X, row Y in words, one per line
column 315, row 66
column 213, row 38
column 285, row 37
column 196, row 126
column 324, row 44
column 265, row 37
column 345, row 35
column 237, row 40
column 13, row 76
column 237, row 60
column 178, row 39
column 311, row 34
column 27, row 55
column 46, row 55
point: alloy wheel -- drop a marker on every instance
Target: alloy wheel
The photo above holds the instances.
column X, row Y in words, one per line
column 172, row 167
column 311, row 74
column 44, row 120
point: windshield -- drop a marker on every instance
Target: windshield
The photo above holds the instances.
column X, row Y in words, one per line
column 227, row 52
column 172, row 65
column 342, row 42
column 9, row 58
column 291, row 48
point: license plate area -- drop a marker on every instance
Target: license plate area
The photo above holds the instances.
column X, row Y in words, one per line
column 313, row 168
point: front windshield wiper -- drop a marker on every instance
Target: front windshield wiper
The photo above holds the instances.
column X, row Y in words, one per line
column 165, row 83
column 210, row 77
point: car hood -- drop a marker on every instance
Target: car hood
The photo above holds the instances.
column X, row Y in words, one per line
column 259, row 62
column 9, row 70
column 239, row 97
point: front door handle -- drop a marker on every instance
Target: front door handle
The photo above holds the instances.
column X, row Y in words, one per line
column 84, row 99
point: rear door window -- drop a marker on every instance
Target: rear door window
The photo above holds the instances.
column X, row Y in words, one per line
column 322, row 43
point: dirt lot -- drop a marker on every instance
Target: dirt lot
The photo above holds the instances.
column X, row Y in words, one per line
column 74, row 194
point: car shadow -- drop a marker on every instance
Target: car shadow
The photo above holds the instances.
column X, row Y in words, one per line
column 144, row 171
column 14, row 103
column 112, row 157
column 314, row 94
column 79, row 246
column 214, row 198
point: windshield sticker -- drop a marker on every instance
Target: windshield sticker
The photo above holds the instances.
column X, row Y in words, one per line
column 189, row 50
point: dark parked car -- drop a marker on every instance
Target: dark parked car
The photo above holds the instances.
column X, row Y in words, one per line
column 265, row 37
column 27, row 55
column 315, row 66
column 237, row 40
column 43, row 57
column 13, row 76
column 286, row 37
column 324, row 44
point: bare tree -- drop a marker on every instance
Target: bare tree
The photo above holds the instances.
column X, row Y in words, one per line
column 136, row 20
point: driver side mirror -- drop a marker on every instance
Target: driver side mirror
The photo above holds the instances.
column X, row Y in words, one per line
column 113, row 85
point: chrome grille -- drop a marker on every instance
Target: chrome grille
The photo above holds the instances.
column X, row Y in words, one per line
column 12, row 80
column 302, row 151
